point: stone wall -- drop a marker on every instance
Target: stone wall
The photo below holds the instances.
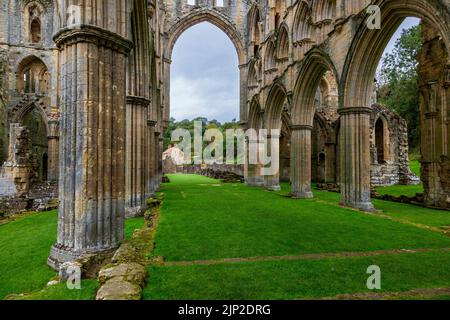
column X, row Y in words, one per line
column 389, row 149
column 19, row 171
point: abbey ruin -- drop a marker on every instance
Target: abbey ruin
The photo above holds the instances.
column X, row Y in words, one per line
column 85, row 100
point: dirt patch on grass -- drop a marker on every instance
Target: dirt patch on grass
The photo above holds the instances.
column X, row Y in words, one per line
column 407, row 295
column 317, row 256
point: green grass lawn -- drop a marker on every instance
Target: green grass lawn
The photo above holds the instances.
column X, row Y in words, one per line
column 25, row 245
column 202, row 219
column 402, row 190
column 415, row 167
column 300, row 279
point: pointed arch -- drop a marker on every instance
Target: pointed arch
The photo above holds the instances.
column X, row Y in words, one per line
column 276, row 101
column 313, row 68
column 303, row 30
column 19, row 115
column 270, row 63
column 368, row 45
column 283, row 43
column 213, row 17
column 255, row 119
column 254, row 29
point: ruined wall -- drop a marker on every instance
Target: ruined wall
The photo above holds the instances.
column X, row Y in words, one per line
column 26, row 41
column 434, row 75
column 390, row 165
column 18, row 172
column 3, row 107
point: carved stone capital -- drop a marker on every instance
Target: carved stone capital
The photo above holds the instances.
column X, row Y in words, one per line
column 299, row 127
column 138, row 101
column 152, row 123
column 92, row 34
column 355, row 110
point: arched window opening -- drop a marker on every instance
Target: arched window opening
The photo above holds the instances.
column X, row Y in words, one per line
column 379, row 141
column 270, row 58
column 279, row 8
column 283, row 44
column 254, row 18
column 36, row 125
column 35, row 31
column 32, row 76
column 220, row 3
column 44, row 167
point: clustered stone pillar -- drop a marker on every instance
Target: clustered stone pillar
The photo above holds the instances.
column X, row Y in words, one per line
column 137, row 144
column 301, row 161
column 152, row 164
column 253, row 170
column 272, row 180
column 354, row 142
column 92, row 149
column 53, row 151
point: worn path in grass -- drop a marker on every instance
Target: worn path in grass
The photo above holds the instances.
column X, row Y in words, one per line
column 221, row 241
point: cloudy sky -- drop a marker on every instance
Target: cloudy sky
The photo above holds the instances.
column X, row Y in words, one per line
column 205, row 75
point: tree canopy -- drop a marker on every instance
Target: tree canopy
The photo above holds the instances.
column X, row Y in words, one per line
column 398, row 86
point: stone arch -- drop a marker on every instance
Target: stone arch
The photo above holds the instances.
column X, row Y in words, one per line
column 254, row 76
column 315, row 65
column 223, row 23
column 358, row 74
column 302, row 28
column 324, row 10
column 255, row 118
column 253, row 176
column 278, row 10
column 23, row 111
column 311, row 72
column 270, row 56
column 33, row 19
column 382, row 139
column 213, row 17
column 283, row 44
column 33, row 72
column 276, row 101
column 368, row 45
column 254, row 29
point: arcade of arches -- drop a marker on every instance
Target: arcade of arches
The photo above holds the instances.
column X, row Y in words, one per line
column 99, row 89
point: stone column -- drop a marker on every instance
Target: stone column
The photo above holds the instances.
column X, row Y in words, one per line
column 53, row 151
column 243, row 82
column 253, row 171
column 272, row 182
column 301, row 161
column 354, row 143
column 93, row 57
column 330, row 163
column 157, row 162
column 136, row 156
column 151, row 182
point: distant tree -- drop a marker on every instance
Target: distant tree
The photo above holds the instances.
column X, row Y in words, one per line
column 398, row 86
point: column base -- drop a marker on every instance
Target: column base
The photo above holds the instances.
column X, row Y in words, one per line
column 302, row 195
column 363, row 206
column 274, row 188
column 60, row 255
column 133, row 212
column 255, row 184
